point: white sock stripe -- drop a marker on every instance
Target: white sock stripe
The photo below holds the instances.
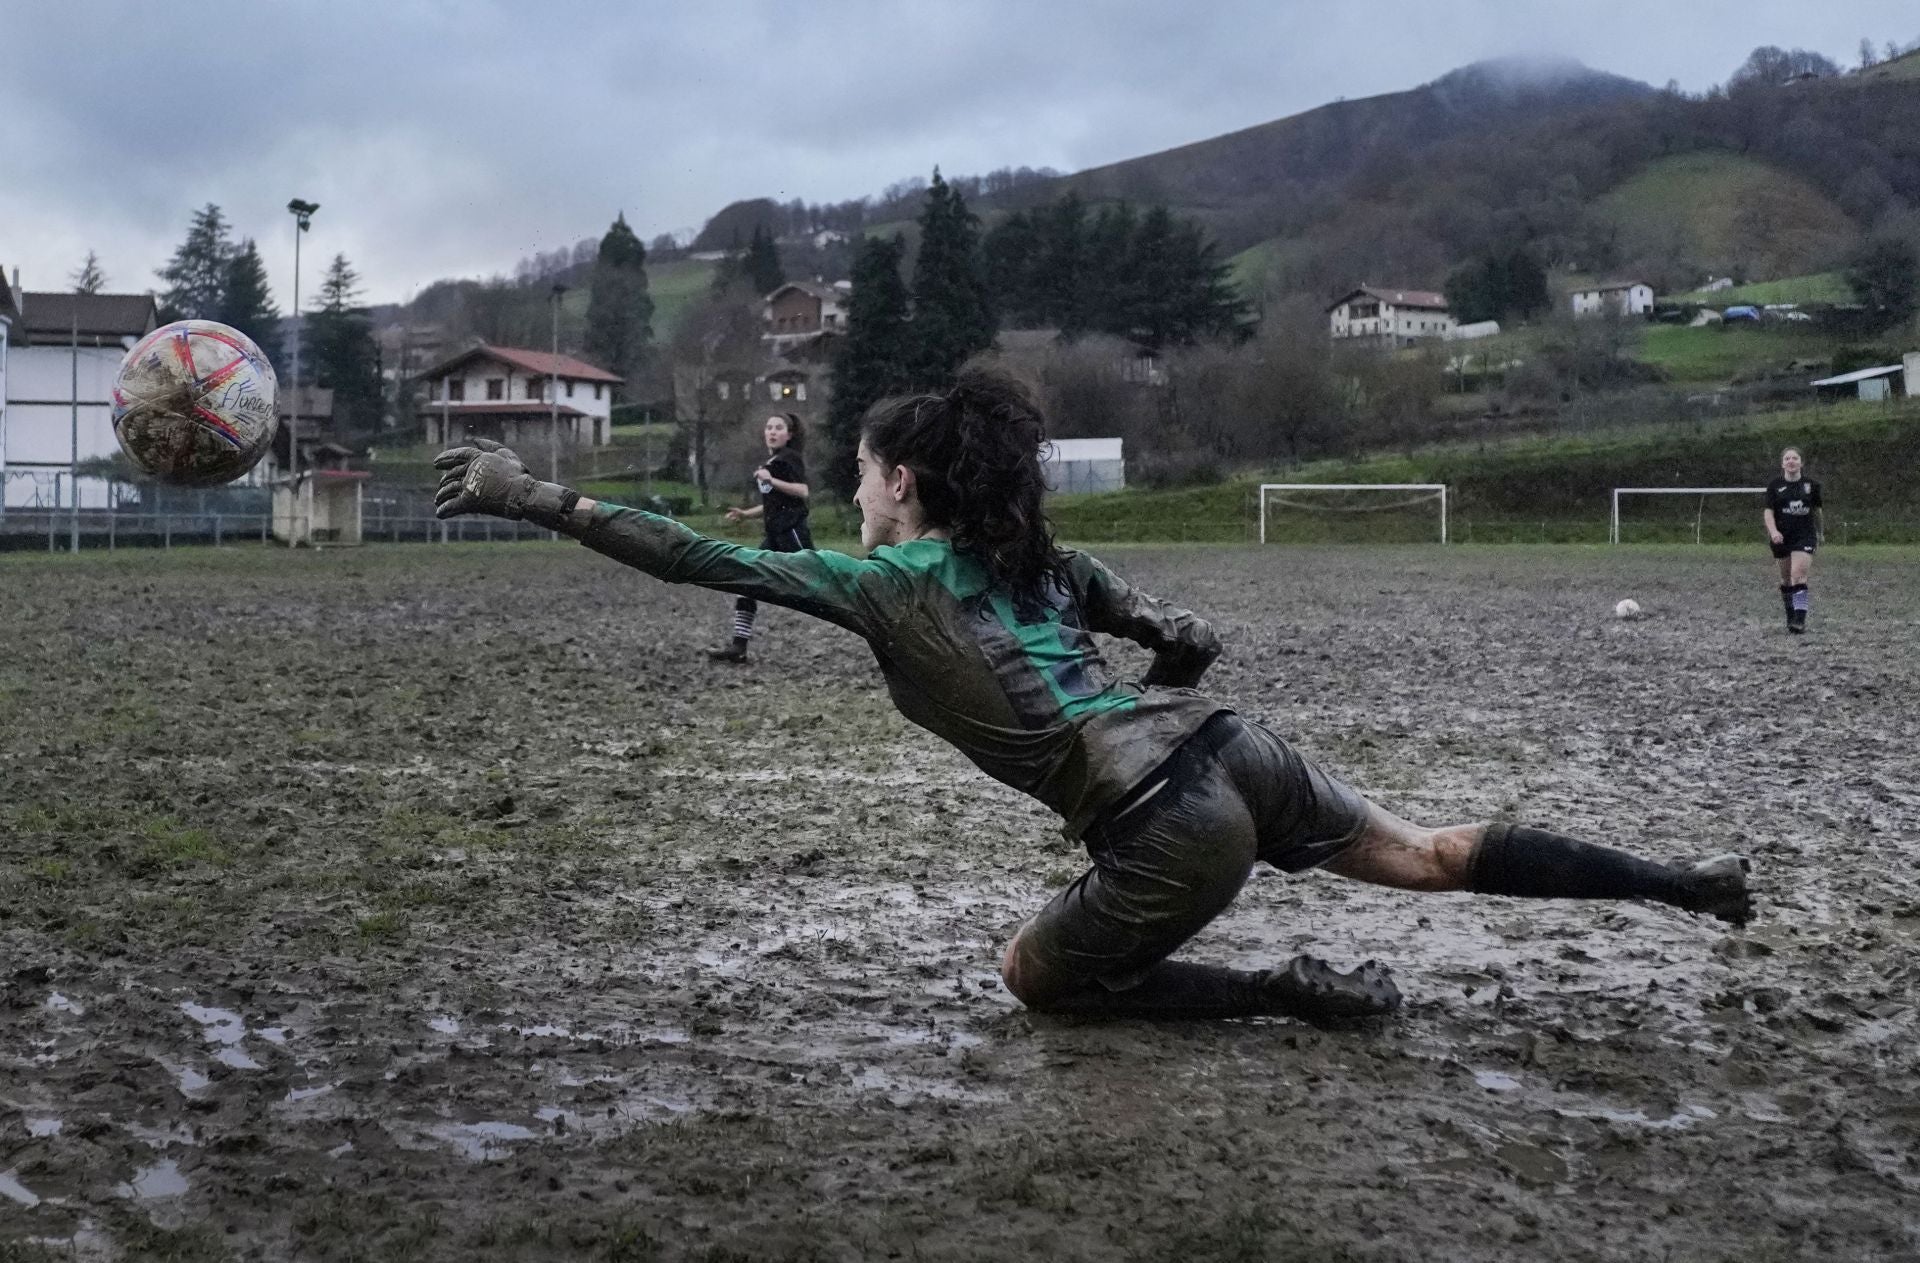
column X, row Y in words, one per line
column 1800, row 599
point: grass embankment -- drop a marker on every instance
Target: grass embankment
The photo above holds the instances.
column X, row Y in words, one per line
column 674, row 286
column 1728, row 353
column 1559, row 489
column 1815, row 287
column 1729, row 208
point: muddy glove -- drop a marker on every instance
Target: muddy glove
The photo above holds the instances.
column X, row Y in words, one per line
column 487, row 477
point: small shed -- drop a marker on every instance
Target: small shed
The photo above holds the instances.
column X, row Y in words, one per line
column 1864, row 383
column 321, row 507
column 1077, row 465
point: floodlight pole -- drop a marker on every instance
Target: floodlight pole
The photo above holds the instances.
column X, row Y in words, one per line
column 73, row 465
column 302, row 212
column 553, row 395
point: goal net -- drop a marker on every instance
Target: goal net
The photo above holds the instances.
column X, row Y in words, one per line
column 1672, row 515
column 1350, row 512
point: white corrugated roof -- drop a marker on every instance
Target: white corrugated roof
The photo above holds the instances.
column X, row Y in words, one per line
column 1859, row 375
column 1082, row 449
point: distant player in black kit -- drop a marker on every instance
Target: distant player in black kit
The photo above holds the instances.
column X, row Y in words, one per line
column 1793, row 529
column 782, row 483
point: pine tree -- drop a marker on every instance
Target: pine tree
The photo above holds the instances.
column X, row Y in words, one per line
column 951, row 318
column 1149, row 313
column 246, row 302
column 1108, row 288
column 872, row 360
column 198, row 271
column 1007, row 254
column 1209, row 305
column 1060, row 272
column 620, row 311
column 346, row 359
column 762, row 264
column 89, row 279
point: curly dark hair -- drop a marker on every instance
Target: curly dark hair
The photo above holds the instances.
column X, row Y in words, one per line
column 975, row 456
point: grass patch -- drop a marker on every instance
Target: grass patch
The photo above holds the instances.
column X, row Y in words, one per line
column 1722, row 353
column 170, row 844
column 1815, row 287
column 1727, row 209
column 675, row 286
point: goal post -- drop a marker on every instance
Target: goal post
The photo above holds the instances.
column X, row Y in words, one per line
column 1613, row 525
column 1418, row 491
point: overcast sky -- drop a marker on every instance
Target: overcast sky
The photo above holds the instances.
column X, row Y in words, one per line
column 454, row 137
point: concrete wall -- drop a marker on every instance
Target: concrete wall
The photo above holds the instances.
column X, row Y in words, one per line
column 38, row 435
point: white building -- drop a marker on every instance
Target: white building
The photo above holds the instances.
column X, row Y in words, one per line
column 515, row 395
column 58, row 357
column 1391, row 317
column 1620, row 298
column 1078, row 465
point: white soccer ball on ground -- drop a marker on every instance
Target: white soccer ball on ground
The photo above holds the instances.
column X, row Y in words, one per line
column 1628, row 608
column 193, row 403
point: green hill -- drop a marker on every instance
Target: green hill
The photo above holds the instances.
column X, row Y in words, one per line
column 1816, row 287
column 1732, row 213
column 1558, row 489
column 674, row 286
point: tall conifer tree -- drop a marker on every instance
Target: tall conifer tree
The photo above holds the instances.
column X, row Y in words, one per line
column 620, row 311
column 872, row 359
column 346, row 359
column 246, row 302
column 762, row 264
column 197, row 273
column 89, row 279
column 952, row 320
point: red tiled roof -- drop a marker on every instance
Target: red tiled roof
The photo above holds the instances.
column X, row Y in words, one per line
column 503, row 408
column 1425, row 298
column 543, row 363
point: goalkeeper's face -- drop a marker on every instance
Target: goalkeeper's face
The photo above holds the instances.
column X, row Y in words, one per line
column 888, row 503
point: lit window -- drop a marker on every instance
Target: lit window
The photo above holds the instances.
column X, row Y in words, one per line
column 722, row 388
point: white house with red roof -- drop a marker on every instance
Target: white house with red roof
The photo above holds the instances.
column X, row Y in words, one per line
column 1620, row 298
column 1392, row 317
column 517, row 395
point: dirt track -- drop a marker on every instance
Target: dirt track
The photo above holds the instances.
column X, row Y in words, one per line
column 441, row 903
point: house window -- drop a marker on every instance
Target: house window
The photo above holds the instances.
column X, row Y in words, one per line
column 778, row 391
column 596, row 390
column 533, row 388
column 800, row 391
column 456, row 389
column 723, row 388
column 569, row 388
column 496, row 388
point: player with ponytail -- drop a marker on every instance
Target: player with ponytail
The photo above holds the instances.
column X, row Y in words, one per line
column 983, row 627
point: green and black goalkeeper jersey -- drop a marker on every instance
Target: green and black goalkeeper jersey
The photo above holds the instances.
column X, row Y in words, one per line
column 1032, row 703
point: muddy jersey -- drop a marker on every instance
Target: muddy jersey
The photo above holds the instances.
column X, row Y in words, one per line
column 1793, row 504
column 1030, row 701
column 781, row 513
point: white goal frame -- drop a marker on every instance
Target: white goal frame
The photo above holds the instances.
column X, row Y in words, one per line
column 1430, row 487
column 1613, row 524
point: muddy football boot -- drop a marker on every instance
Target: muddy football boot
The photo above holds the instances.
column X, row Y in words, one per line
column 1311, row 989
column 1718, row 888
column 735, row 652
column 1797, row 622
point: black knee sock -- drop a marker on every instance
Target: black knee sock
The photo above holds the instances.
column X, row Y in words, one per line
column 1786, row 598
column 1516, row 860
column 1172, row 989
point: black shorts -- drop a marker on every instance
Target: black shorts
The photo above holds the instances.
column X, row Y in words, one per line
column 790, row 539
column 1790, row 545
column 1171, row 856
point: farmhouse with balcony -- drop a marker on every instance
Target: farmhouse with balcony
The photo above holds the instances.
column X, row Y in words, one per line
column 1618, row 298
column 517, row 396
column 1389, row 317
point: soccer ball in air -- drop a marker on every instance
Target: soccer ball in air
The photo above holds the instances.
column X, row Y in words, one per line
column 193, row 403
column 1628, row 608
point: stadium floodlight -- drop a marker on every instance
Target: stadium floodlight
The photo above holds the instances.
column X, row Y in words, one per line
column 1613, row 525
column 1421, row 493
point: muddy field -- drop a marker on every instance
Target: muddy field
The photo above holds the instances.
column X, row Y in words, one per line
column 445, row 903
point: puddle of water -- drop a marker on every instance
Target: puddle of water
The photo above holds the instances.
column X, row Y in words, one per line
column 237, row 1058
column 341, row 1150
column 60, row 1004
column 162, row 1179
column 445, row 1025
column 296, row 1095
column 12, row 1189
column 1494, row 1081
column 161, row 1137
column 273, row 1034
column 480, row 1141
column 43, row 1126
column 190, row 1081
column 218, row 1026
column 545, row 1028
column 1687, row 1117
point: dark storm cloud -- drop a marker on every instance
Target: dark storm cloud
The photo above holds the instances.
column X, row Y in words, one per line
column 452, row 139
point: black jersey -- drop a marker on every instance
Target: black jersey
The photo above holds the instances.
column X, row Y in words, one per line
column 1793, row 504
column 780, row 512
